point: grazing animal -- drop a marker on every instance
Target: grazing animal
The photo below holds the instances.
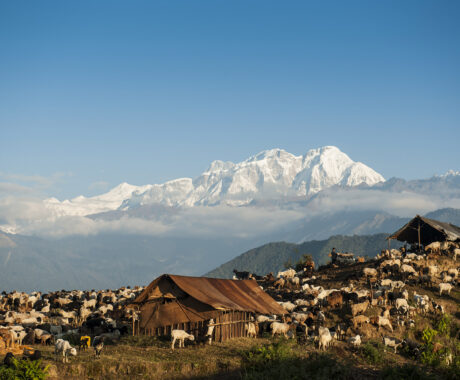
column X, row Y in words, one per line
column 381, row 321
column 181, row 336
column 433, row 247
column 63, row 347
column 359, row 320
column 325, row 338
column 359, row 308
column 445, row 287
column 98, row 344
column 334, row 299
column 355, row 340
column 250, row 329
column 8, row 337
column 370, row 272
column 391, row 342
column 279, row 328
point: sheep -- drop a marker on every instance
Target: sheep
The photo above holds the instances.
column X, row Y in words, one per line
column 98, row 344
column 370, row 272
column 335, row 299
column 289, row 306
column 301, row 302
column 299, row 317
column 359, row 308
column 8, row 337
column 279, row 328
column 446, row 278
column 359, row 320
column 392, row 342
column 325, row 338
column 210, row 330
column 381, row 321
column 180, row 335
column 250, row 329
column 401, row 303
column 263, row 318
column 63, row 347
column 455, row 253
column 407, row 269
column 444, row 287
column 432, row 270
column 355, row 340
column 89, row 304
column 433, row 247
column 287, row 273
column 45, row 339
column 294, row 281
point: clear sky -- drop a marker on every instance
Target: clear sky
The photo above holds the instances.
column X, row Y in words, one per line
column 94, row 93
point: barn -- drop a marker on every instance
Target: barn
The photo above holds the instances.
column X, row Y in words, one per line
column 183, row 302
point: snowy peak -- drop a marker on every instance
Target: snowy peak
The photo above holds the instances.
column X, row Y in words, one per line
column 270, row 174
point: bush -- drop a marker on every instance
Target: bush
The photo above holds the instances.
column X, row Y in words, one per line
column 409, row 372
column 443, row 325
column 372, row 352
column 24, row 370
column 279, row 361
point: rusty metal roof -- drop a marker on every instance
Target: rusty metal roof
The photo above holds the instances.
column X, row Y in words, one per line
column 430, row 230
column 221, row 294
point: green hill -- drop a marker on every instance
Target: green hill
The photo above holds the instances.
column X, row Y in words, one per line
column 271, row 257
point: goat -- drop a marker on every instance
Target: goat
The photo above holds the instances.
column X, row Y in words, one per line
column 181, row 336
column 63, row 347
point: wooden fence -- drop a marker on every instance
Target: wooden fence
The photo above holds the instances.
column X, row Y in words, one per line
column 228, row 324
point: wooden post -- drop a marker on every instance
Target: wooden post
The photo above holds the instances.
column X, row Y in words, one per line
column 133, row 321
column 419, row 236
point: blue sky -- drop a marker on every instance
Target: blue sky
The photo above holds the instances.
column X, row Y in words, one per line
column 97, row 93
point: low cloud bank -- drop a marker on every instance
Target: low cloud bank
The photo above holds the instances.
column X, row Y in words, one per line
column 29, row 216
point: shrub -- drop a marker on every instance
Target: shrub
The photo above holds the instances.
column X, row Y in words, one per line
column 372, row 352
column 279, row 361
column 443, row 325
column 24, row 370
column 407, row 371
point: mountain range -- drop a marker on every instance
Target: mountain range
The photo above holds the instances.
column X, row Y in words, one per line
column 270, row 174
column 131, row 234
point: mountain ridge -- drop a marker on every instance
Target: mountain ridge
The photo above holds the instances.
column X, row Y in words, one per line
column 270, row 173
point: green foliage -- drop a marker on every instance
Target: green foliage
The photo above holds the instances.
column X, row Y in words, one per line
column 372, row 352
column 409, row 372
column 443, row 325
column 428, row 335
column 279, row 361
column 24, row 370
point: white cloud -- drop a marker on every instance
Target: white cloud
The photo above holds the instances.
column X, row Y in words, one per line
column 29, row 216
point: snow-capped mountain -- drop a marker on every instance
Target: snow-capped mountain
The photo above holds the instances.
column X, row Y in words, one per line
column 270, row 174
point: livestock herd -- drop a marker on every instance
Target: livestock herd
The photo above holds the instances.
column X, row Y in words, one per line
column 347, row 303
column 363, row 300
column 63, row 316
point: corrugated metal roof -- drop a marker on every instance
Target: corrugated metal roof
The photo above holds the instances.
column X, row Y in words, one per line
column 221, row 294
column 430, row 230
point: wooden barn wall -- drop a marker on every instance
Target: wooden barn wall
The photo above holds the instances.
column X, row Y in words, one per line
column 228, row 324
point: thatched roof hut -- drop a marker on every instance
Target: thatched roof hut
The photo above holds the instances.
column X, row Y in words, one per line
column 184, row 302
